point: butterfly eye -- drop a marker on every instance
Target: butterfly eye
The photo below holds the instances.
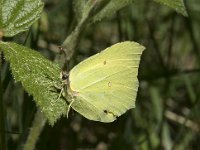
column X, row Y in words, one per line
column 65, row 76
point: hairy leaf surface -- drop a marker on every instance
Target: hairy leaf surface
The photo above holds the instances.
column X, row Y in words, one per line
column 39, row 76
column 18, row 15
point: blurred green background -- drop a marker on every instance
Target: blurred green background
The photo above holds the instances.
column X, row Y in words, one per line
column 167, row 114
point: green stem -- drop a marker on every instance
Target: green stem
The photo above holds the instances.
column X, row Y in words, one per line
column 38, row 124
column 2, row 114
column 2, row 110
column 70, row 43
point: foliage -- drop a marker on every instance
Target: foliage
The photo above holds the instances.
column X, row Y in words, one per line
column 166, row 114
column 178, row 5
column 39, row 76
column 18, row 15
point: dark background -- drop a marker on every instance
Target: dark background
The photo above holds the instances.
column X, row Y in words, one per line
column 167, row 114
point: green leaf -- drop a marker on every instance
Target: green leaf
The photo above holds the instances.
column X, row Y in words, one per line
column 111, row 8
column 18, row 15
column 39, row 77
column 85, row 10
column 98, row 9
column 177, row 5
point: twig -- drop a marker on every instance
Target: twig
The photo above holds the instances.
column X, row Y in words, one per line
column 182, row 120
column 186, row 118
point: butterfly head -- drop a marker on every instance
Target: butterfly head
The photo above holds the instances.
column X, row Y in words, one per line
column 64, row 76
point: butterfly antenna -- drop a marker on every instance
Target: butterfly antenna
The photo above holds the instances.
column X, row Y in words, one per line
column 70, row 104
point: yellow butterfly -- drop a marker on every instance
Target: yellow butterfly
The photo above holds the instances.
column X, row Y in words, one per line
column 105, row 85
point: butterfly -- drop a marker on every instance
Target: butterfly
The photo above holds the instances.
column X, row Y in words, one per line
column 105, row 85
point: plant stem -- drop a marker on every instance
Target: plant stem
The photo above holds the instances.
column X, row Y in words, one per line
column 2, row 123
column 38, row 124
column 2, row 114
column 70, row 43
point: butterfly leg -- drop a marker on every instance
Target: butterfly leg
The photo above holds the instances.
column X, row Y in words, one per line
column 70, row 104
column 60, row 94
